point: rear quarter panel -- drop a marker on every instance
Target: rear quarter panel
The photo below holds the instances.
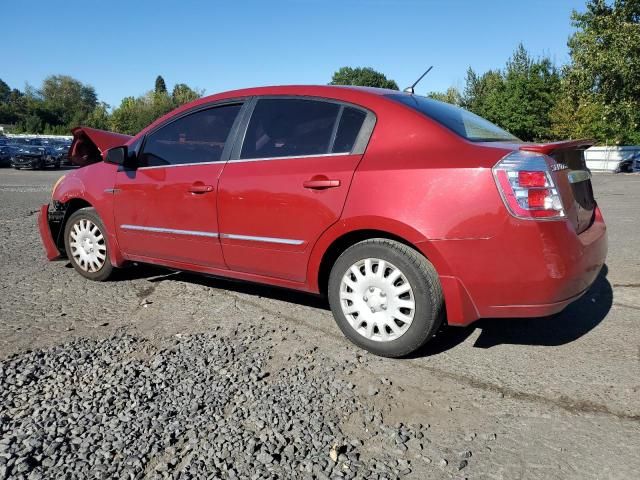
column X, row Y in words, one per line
column 426, row 185
column 438, row 186
column 436, row 191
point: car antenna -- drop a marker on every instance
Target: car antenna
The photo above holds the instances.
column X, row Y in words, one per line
column 410, row 89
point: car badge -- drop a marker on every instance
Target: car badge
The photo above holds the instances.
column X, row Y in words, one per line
column 558, row 166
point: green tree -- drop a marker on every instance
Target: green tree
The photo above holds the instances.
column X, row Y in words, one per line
column 365, row 77
column 135, row 113
column 182, row 94
column 452, row 96
column 59, row 104
column 65, row 100
column 99, row 117
column 5, row 91
column 482, row 92
column 530, row 91
column 158, row 103
column 127, row 117
column 161, row 87
column 33, row 124
column 601, row 86
column 12, row 104
column 519, row 97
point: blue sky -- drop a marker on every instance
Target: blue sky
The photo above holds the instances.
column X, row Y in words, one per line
column 120, row 46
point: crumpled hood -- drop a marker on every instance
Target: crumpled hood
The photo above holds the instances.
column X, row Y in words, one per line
column 89, row 144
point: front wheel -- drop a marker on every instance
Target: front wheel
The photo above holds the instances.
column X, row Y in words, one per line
column 386, row 297
column 86, row 245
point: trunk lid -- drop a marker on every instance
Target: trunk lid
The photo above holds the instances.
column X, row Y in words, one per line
column 89, row 144
column 572, row 177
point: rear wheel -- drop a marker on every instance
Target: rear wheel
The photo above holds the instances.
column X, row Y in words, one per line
column 86, row 246
column 386, row 297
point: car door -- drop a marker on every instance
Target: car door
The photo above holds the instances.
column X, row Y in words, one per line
column 166, row 208
column 287, row 181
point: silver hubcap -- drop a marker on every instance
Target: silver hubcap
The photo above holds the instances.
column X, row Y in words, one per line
column 88, row 247
column 377, row 300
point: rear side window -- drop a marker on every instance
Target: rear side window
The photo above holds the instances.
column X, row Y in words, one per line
column 466, row 124
column 350, row 124
column 196, row 138
column 282, row 127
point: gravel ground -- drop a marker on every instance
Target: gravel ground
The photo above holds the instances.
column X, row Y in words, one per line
column 170, row 375
column 202, row 405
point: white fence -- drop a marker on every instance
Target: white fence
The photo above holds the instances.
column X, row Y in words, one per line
column 28, row 135
column 612, row 159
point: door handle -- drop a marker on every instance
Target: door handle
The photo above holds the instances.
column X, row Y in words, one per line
column 200, row 188
column 321, row 183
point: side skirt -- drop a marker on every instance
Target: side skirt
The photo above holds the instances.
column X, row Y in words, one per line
column 224, row 273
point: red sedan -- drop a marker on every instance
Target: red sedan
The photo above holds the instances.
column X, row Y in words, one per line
column 405, row 211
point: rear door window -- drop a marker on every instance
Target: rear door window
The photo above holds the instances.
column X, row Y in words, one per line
column 196, row 138
column 290, row 127
column 349, row 128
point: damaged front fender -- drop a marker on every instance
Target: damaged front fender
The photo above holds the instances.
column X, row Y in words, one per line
column 46, row 235
column 89, row 144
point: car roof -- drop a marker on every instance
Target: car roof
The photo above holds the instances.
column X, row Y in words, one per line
column 364, row 96
column 311, row 90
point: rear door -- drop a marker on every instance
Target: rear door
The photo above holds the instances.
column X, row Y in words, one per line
column 287, row 182
column 165, row 209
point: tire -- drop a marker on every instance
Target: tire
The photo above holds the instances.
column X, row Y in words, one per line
column 85, row 246
column 377, row 293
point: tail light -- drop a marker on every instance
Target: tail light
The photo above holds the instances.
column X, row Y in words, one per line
column 525, row 182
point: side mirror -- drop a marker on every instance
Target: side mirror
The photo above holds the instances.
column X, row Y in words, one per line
column 120, row 156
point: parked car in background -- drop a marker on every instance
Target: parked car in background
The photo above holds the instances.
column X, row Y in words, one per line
column 61, row 153
column 34, row 154
column 405, row 211
column 9, row 148
column 5, row 155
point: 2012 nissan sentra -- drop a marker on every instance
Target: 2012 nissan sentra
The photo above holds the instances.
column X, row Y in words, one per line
column 405, row 211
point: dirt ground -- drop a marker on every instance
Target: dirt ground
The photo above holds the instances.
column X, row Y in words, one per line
column 544, row 398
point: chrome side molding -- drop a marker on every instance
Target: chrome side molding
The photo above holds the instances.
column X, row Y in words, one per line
column 196, row 233
column 285, row 241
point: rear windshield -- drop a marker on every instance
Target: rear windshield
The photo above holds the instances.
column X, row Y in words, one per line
column 466, row 124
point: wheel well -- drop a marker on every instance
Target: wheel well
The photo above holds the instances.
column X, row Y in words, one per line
column 340, row 244
column 71, row 207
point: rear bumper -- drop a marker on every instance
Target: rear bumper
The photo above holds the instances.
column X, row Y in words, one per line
column 45, row 234
column 532, row 269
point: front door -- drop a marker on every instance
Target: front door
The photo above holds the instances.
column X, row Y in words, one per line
column 288, row 183
column 166, row 209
